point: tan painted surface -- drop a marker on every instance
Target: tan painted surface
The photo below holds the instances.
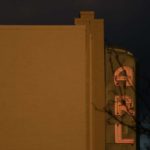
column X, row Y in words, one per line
column 95, row 79
column 51, row 79
column 43, row 88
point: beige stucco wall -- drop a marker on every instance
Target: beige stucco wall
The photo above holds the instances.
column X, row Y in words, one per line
column 42, row 88
column 95, row 67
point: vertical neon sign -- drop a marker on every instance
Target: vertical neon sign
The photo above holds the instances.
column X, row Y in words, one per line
column 123, row 103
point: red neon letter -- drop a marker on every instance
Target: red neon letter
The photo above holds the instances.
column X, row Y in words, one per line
column 118, row 135
column 127, row 76
column 122, row 103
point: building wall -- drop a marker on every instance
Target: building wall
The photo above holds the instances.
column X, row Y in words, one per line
column 43, row 88
column 95, row 79
column 54, row 93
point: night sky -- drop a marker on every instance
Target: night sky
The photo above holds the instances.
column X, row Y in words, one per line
column 127, row 23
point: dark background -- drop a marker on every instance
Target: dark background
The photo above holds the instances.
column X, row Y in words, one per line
column 127, row 25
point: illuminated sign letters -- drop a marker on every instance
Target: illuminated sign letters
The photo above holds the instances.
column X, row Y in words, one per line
column 123, row 103
column 123, row 74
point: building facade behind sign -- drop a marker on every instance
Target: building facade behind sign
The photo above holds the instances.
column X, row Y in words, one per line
column 53, row 87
